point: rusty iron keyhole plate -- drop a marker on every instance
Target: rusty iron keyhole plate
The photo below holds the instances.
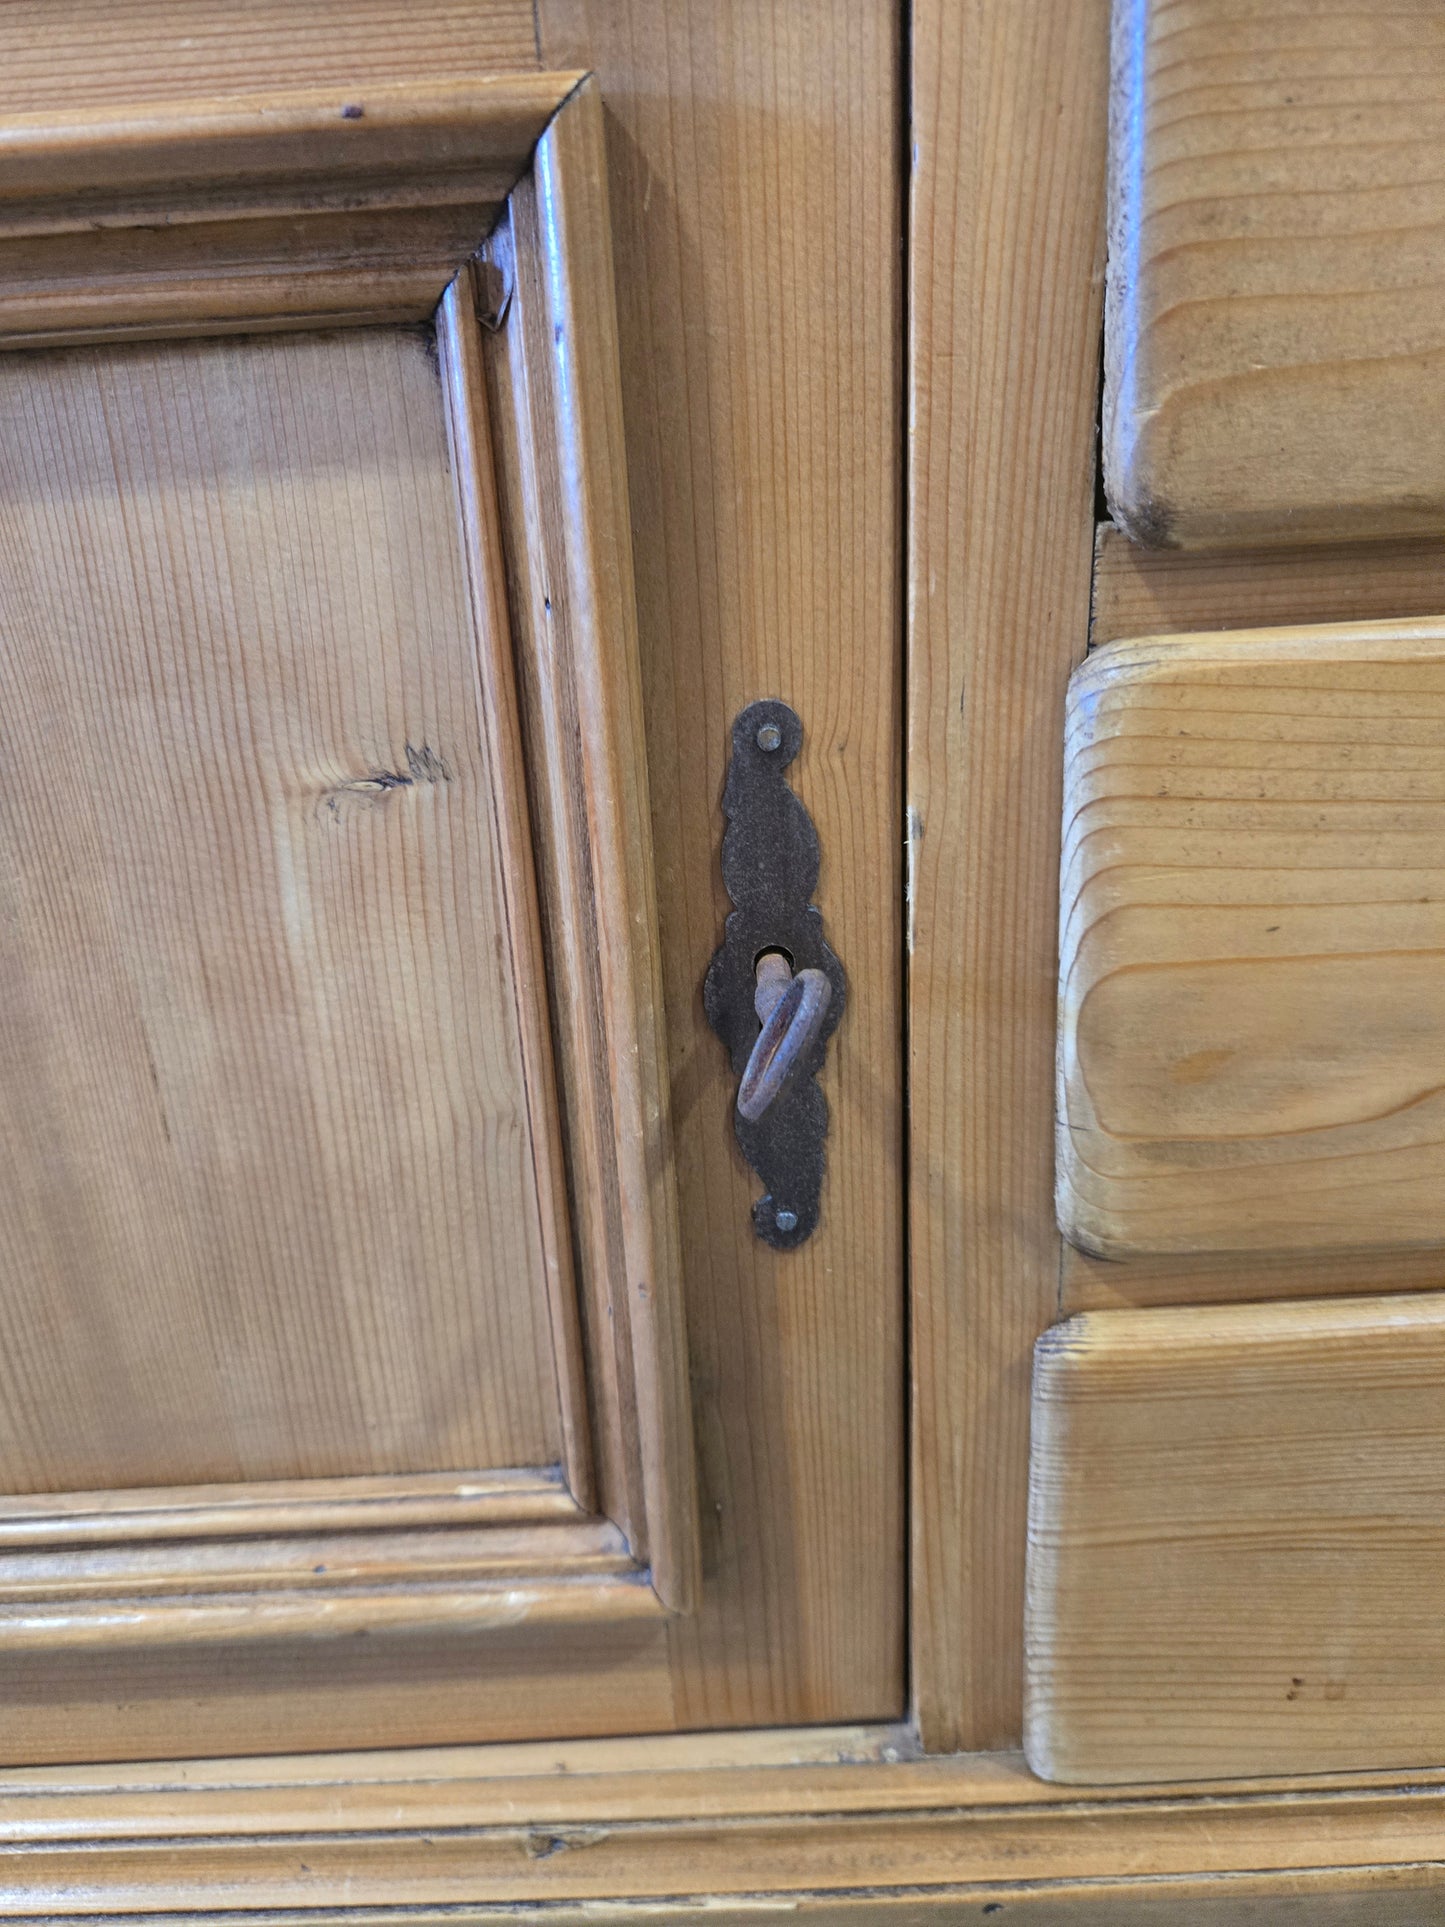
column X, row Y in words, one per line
column 770, row 863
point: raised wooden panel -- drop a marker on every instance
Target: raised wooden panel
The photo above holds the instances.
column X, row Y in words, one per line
column 328, row 1306
column 1236, row 1522
column 1276, row 319
column 269, row 1208
column 1252, row 922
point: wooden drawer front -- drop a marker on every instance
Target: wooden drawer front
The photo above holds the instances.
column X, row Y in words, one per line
column 1276, row 300
column 1236, row 1539
column 1252, row 948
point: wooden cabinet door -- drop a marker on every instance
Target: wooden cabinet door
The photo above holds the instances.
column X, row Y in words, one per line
column 344, row 1386
column 339, row 1245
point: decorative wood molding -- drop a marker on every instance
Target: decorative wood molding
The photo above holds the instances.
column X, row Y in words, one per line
column 831, row 1824
column 282, row 210
column 332, row 1586
column 264, row 1509
column 552, row 365
column 583, row 1550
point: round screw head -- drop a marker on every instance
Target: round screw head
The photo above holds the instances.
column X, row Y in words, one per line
column 770, row 737
column 786, row 1220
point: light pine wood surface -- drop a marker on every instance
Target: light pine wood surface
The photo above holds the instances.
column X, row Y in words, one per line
column 1211, row 1277
column 343, row 204
column 470, row 439
column 1165, row 592
column 81, row 54
column 517, row 1620
column 1234, row 1541
column 826, row 1823
column 1252, row 915
column 755, row 156
column 1168, row 592
column 562, row 474
column 752, row 579
column 693, row 95
column 1276, row 329
column 271, row 1208
column 1006, row 232
column 499, row 1497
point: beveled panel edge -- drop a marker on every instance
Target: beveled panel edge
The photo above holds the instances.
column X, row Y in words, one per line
column 1210, row 366
column 472, row 445
column 1167, row 592
column 275, row 1507
column 1191, row 1458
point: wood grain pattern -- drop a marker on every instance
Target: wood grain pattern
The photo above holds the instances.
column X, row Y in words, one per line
column 562, row 462
column 1368, row 1897
column 78, row 54
column 415, row 1665
column 826, row 1823
column 1006, row 226
column 1162, row 592
column 113, row 1599
column 754, row 161
column 264, row 1508
column 537, row 1625
column 348, row 203
column 727, row 1776
column 1205, row 1278
column 1166, row 592
column 272, row 1209
column 470, row 138
column 1251, row 918
column 1234, row 1536
column 1276, row 329
column 801, row 1371
column 469, row 438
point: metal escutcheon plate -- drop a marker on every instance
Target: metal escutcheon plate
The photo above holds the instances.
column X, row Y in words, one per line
column 770, row 867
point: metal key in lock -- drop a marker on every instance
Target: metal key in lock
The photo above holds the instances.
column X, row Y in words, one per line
column 791, row 1011
column 774, row 991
